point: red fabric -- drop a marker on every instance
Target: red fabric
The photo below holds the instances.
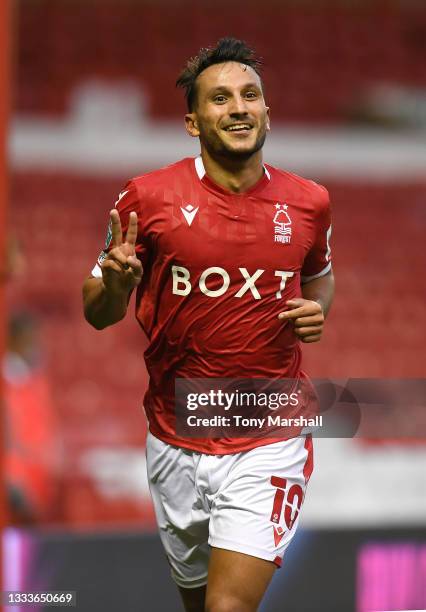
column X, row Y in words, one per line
column 277, row 505
column 31, row 460
column 212, row 324
column 309, row 464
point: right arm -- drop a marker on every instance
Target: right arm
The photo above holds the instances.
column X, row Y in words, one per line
column 105, row 299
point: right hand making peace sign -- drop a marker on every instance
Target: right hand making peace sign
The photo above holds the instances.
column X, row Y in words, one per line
column 122, row 270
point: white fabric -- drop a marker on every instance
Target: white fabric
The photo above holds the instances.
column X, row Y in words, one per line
column 201, row 171
column 224, row 501
column 97, row 272
column 199, row 166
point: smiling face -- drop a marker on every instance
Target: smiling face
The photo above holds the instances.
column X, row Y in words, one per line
column 230, row 116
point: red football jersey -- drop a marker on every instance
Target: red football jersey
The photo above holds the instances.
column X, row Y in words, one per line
column 218, row 269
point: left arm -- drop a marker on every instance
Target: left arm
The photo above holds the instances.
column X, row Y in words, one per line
column 308, row 313
column 320, row 290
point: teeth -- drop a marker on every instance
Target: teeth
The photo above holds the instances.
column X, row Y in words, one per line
column 238, row 127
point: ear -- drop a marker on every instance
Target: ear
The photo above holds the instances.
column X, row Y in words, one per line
column 268, row 119
column 191, row 124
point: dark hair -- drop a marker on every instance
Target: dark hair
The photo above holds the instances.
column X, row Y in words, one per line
column 227, row 50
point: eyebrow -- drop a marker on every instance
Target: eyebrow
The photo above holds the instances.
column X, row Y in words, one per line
column 225, row 88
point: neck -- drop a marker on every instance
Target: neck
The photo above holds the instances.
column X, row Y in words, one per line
column 233, row 174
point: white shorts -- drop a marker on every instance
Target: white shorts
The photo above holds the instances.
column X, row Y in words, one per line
column 248, row 502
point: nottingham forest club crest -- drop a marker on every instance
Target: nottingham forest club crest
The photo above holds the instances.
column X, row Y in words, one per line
column 282, row 224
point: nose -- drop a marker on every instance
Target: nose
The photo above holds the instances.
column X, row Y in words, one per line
column 238, row 106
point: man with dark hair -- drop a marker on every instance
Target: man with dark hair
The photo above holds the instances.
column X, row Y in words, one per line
column 231, row 262
column 227, row 50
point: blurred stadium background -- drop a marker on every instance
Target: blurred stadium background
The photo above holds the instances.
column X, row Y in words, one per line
column 93, row 103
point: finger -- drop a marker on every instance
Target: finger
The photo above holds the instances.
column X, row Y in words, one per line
column 111, row 265
column 307, row 331
column 305, row 321
column 309, row 339
column 312, row 305
column 117, row 255
column 117, row 234
column 296, row 302
column 132, row 230
column 302, row 308
column 293, row 314
column 135, row 267
column 134, row 263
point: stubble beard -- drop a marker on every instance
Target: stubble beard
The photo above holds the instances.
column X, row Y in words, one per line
column 216, row 147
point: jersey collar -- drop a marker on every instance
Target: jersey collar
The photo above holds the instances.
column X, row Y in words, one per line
column 204, row 178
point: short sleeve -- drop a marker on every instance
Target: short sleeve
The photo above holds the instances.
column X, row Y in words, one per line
column 128, row 201
column 318, row 260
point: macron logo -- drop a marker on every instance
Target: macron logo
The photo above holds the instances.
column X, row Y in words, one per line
column 189, row 213
column 278, row 535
